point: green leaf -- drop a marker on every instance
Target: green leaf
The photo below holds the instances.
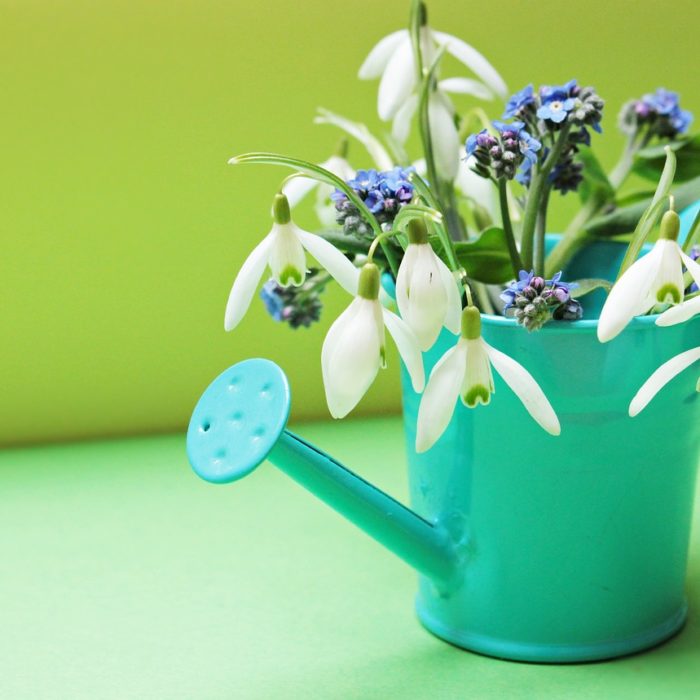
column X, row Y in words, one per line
column 649, row 162
column 588, row 285
column 634, row 197
column 693, row 233
column 624, row 219
column 486, row 258
column 595, row 181
column 651, row 214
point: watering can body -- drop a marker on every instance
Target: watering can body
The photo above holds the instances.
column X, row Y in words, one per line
column 528, row 546
column 577, row 544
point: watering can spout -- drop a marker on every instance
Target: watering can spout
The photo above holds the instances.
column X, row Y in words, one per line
column 240, row 421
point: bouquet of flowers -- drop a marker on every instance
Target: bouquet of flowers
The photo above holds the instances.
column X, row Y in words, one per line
column 460, row 232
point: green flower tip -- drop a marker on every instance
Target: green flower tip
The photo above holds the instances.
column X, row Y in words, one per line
column 417, row 231
column 477, row 394
column 341, row 150
column 368, row 286
column 422, row 15
column 291, row 275
column 670, row 226
column 668, row 294
column 280, row 209
column 471, row 323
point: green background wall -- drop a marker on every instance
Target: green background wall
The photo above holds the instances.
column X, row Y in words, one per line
column 122, row 225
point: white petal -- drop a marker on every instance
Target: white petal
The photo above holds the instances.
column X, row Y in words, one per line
column 287, row 259
column 478, row 189
column 297, row 188
column 526, row 389
column 408, row 348
column 692, row 267
column 679, row 313
column 403, row 279
column 324, row 207
column 377, row 59
column 245, row 283
column 423, row 298
column 360, row 132
column 438, row 401
column 444, row 136
column 421, row 166
column 466, row 86
column 397, row 82
column 401, row 126
column 473, row 60
column 352, row 355
column 340, row 167
column 629, row 295
column 669, row 275
column 661, row 377
column 453, row 317
column 477, row 385
column 339, row 267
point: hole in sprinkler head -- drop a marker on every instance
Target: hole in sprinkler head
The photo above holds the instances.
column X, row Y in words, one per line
column 205, row 426
column 258, row 433
column 234, row 382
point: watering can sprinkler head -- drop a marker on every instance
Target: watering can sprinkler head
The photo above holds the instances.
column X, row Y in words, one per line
column 240, row 421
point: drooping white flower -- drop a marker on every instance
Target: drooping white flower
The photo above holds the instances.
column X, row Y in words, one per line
column 392, row 59
column 656, row 278
column 426, row 292
column 354, row 348
column 662, row 376
column 464, row 372
column 283, row 251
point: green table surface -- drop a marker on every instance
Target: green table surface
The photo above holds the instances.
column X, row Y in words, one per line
column 124, row 576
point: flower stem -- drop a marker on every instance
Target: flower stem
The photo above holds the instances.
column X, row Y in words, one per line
column 572, row 238
column 515, row 259
column 540, row 230
column 537, row 186
column 381, row 241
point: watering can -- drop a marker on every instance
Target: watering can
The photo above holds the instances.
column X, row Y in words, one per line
column 579, row 557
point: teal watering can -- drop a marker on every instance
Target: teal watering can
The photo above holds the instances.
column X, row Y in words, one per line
column 529, row 547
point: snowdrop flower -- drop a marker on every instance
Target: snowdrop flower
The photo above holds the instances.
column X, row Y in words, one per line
column 283, row 250
column 662, row 376
column 465, row 371
column 393, row 61
column 426, row 292
column 656, row 278
column 354, row 349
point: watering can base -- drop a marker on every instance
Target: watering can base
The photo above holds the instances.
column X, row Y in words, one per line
column 553, row 653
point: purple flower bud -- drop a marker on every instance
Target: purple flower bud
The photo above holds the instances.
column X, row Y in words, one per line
column 537, row 283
